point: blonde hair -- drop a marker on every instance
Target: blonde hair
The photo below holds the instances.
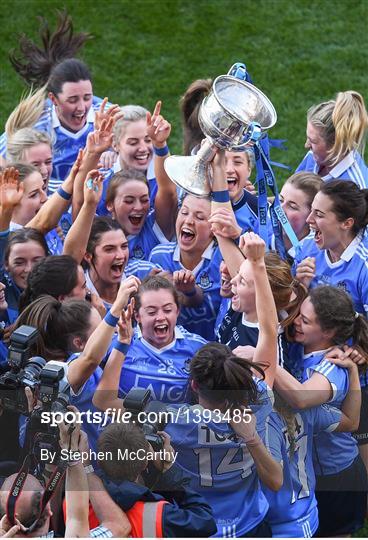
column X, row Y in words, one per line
column 343, row 123
column 132, row 113
column 23, row 139
column 27, row 112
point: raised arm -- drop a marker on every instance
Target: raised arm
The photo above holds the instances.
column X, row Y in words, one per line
column 265, row 353
column 82, row 367
column 98, row 142
column 106, row 395
column 76, row 485
column 50, row 213
column 108, row 513
column 77, row 238
column 11, row 193
column 223, row 221
column 166, row 200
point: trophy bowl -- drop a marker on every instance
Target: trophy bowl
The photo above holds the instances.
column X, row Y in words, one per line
column 230, row 108
column 226, row 117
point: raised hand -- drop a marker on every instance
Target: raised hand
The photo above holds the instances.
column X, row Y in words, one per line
column 100, row 140
column 11, row 190
column 112, row 112
column 223, row 223
column 125, row 327
column 127, row 288
column 158, row 129
column 252, row 246
column 306, row 271
column 92, row 190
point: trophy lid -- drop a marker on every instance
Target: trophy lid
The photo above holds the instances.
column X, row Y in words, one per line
column 244, row 101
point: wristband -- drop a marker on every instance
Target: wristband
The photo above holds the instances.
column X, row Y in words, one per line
column 121, row 347
column 88, row 469
column 161, row 151
column 220, row 196
column 74, row 463
column 191, row 293
column 110, row 319
column 64, row 194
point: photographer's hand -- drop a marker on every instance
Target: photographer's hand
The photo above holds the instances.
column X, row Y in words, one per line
column 7, row 530
column 69, row 434
column 164, row 464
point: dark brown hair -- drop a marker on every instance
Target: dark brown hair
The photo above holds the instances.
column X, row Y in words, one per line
column 189, row 105
column 58, row 324
column 22, row 236
column 348, row 201
column 155, row 283
column 123, row 177
column 335, row 311
column 220, row 376
column 53, row 62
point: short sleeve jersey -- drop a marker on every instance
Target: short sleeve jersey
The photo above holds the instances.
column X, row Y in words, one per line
column 352, row 168
column 220, row 466
column 350, row 272
column 293, row 509
column 199, row 320
column 163, row 371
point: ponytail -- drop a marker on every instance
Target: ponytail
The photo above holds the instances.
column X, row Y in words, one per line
column 360, row 335
column 343, row 124
column 189, row 105
column 350, row 120
column 35, row 64
column 221, row 377
column 58, row 324
column 26, row 114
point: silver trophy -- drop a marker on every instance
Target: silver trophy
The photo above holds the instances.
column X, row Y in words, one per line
column 232, row 117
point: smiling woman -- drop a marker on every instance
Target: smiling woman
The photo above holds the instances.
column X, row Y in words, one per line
column 69, row 112
column 336, row 251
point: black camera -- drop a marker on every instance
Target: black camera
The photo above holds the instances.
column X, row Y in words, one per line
column 54, row 397
column 24, row 371
column 138, row 401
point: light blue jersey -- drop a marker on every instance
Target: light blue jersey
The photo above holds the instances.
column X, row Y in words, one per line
column 293, row 509
column 224, row 307
column 352, row 168
column 66, row 144
column 109, row 173
column 141, row 245
column 200, row 320
column 245, row 210
column 349, row 273
column 332, row 452
column 220, row 466
column 163, row 371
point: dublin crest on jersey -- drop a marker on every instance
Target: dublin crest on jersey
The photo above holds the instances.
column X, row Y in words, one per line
column 204, row 281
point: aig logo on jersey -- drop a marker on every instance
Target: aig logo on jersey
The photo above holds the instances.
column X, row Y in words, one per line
column 204, row 281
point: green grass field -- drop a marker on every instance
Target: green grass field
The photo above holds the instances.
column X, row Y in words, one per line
column 299, row 52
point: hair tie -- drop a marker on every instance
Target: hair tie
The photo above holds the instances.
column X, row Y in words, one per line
column 356, row 315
